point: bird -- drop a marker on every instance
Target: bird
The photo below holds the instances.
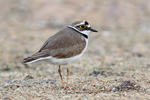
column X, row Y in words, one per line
column 64, row 47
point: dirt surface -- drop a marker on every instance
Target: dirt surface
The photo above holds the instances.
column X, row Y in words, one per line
column 116, row 65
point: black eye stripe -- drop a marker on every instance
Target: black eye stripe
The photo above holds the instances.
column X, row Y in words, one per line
column 83, row 27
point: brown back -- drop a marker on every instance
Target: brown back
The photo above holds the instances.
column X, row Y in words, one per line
column 64, row 44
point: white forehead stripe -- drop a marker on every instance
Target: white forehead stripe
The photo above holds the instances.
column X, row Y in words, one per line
column 83, row 22
column 79, row 24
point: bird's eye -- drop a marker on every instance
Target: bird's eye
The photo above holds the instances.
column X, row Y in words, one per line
column 82, row 26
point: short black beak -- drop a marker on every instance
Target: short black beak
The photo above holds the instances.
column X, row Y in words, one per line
column 93, row 30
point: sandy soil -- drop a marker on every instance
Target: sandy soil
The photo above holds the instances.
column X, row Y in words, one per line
column 115, row 66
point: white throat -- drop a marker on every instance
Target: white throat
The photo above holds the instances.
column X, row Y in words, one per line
column 86, row 32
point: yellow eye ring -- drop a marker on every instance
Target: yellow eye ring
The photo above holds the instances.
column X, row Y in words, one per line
column 82, row 26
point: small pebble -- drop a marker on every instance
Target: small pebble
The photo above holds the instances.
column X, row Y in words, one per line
column 139, row 55
column 14, row 87
column 148, row 64
column 5, row 67
column 95, row 73
column 51, row 81
column 126, row 85
column 28, row 77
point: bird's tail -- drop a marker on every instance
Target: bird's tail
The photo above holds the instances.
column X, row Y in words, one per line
column 35, row 57
column 28, row 60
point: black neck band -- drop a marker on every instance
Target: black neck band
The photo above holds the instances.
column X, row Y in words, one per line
column 79, row 32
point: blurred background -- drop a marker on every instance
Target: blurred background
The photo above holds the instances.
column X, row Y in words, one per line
column 124, row 26
column 25, row 24
column 119, row 51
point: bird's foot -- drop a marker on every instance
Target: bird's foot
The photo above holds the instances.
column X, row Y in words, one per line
column 66, row 87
